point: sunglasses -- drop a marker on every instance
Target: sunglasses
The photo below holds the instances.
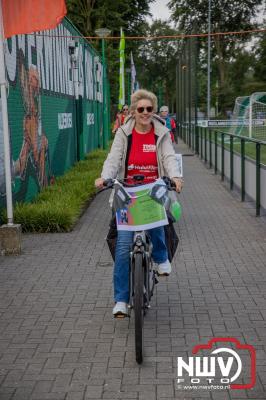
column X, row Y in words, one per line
column 140, row 110
column 125, row 109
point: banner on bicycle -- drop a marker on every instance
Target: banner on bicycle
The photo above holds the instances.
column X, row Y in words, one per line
column 141, row 212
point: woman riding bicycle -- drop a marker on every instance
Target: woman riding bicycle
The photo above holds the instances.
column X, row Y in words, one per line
column 141, row 146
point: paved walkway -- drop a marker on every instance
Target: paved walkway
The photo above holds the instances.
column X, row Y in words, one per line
column 59, row 340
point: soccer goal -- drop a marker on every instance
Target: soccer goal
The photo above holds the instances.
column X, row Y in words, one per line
column 249, row 116
column 257, row 116
column 240, row 116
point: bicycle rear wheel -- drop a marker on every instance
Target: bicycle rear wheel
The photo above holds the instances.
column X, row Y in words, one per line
column 138, row 305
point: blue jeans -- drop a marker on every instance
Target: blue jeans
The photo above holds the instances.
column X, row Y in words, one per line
column 121, row 267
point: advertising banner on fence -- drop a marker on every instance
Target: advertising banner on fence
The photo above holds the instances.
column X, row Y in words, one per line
column 48, row 131
column 2, row 160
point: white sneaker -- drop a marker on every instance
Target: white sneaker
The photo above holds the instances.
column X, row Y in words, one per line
column 163, row 269
column 120, row 310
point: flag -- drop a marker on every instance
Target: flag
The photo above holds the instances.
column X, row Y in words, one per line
column 26, row 16
column 133, row 74
column 122, row 43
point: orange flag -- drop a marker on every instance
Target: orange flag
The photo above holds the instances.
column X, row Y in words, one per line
column 26, row 16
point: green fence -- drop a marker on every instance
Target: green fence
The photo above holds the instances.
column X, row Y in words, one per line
column 55, row 106
column 211, row 146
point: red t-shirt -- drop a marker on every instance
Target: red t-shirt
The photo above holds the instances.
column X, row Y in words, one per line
column 142, row 157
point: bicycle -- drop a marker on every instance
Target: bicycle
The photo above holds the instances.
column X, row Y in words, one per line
column 142, row 277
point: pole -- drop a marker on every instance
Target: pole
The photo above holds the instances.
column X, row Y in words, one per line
column 73, row 48
column 104, row 97
column 196, row 94
column 74, row 63
column 102, row 33
column 181, row 80
column 189, row 93
column 128, row 88
column 128, row 82
column 185, row 94
column 3, row 85
column 250, row 117
column 177, row 99
column 209, row 63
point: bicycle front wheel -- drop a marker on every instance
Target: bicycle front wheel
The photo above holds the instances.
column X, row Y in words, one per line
column 138, row 305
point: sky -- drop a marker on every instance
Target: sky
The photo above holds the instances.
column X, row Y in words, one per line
column 160, row 10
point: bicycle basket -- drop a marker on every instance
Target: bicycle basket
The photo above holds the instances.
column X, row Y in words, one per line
column 171, row 237
column 112, row 236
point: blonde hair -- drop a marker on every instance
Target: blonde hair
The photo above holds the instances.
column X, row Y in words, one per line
column 143, row 94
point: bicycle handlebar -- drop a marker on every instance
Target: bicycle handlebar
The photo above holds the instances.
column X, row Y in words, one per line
column 109, row 183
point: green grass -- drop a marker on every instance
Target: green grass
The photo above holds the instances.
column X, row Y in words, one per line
column 250, row 147
column 58, row 207
column 250, row 151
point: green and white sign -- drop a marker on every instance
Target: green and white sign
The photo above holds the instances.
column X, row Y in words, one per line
column 142, row 212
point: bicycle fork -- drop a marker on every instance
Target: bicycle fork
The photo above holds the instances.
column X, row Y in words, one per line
column 140, row 245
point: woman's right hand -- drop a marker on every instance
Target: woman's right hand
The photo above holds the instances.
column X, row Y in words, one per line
column 99, row 183
column 178, row 184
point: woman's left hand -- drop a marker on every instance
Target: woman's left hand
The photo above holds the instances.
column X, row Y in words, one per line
column 178, row 184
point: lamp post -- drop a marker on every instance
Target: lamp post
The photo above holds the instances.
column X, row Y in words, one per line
column 184, row 96
column 209, row 63
column 103, row 33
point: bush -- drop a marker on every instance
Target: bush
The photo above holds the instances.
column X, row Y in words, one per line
column 58, row 207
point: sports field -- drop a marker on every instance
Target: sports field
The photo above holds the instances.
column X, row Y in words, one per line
column 250, row 147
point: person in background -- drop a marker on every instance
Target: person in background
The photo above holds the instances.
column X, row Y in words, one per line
column 141, row 146
column 120, row 118
column 169, row 122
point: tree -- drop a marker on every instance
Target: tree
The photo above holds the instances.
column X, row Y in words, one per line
column 156, row 60
column 226, row 16
column 260, row 57
column 89, row 15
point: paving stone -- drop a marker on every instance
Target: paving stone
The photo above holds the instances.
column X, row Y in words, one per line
column 58, row 339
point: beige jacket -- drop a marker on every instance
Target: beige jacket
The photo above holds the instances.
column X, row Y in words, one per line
column 114, row 165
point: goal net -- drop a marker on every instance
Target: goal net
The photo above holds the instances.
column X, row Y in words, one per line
column 257, row 116
column 250, row 115
column 240, row 116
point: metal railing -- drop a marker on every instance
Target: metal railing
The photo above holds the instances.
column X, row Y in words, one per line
column 201, row 140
